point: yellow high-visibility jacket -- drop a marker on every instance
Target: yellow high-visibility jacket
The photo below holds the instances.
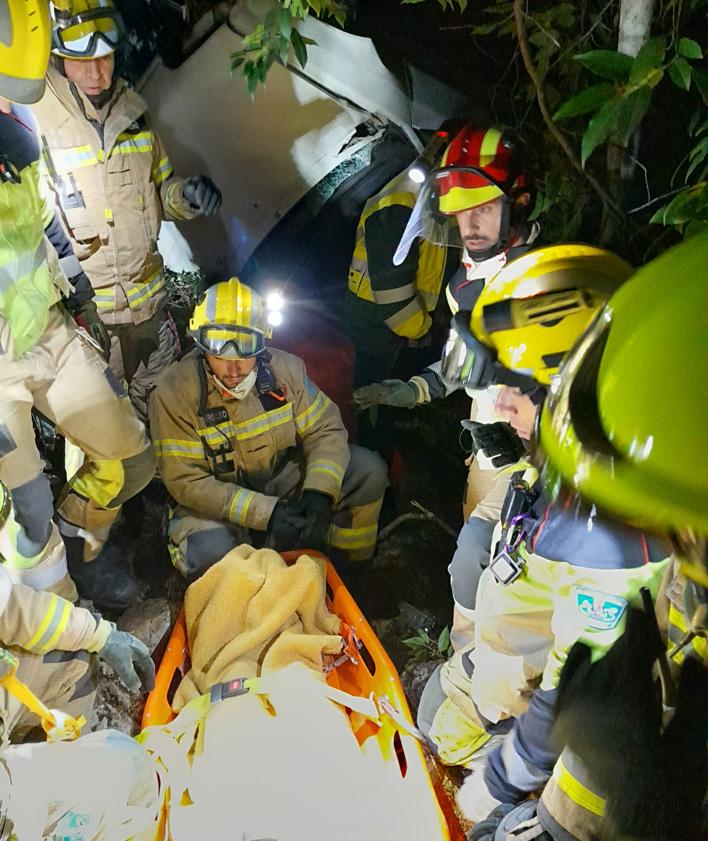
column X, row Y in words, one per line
column 401, row 296
column 112, row 184
column 38, row 622
column 218, row 455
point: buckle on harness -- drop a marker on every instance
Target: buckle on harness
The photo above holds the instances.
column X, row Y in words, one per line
column 230, row 689
column 350, row 649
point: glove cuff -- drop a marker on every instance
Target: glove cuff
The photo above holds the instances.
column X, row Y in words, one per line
column 420, row 384
column 98, row 641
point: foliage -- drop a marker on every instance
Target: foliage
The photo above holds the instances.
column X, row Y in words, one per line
column 596, row 98
column 424, row 648
column 276, row 37
column 599, row 97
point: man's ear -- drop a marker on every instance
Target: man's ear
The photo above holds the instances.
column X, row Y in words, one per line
column 523, row 200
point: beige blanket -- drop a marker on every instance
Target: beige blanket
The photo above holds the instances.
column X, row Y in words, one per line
column 251, row 614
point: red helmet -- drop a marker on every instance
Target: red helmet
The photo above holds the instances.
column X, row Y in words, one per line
column 479, row 165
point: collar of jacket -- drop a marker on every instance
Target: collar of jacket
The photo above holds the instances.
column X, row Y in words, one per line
column 125, row 107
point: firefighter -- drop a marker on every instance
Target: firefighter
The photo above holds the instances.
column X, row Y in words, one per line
column 112, row 183
column 49, row 362
column 48, row 789
column 390, row 308
column 476, row 203
column 247, row 445
column 610, row 437
column 552, row 574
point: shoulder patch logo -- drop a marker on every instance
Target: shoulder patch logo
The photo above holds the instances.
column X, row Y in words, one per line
column 600, row 611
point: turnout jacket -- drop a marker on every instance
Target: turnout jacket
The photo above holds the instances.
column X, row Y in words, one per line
column 402, row 297
column 222, row 458
column 38, row 622
column 112, row 183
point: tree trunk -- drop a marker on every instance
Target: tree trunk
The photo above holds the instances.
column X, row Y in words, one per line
column 634, row 30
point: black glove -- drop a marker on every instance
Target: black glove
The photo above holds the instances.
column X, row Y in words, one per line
column 202, row 194
column 87, row 316
column 497, row 441
column 286, row 525
column 316, row 508
column 610, row 715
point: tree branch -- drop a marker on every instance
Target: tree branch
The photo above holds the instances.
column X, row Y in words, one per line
column 558, row 136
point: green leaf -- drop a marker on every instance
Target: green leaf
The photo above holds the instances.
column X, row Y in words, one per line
column 589, row 99
column 688, row 48
column 631, row 112
column 648, row 59
column 680, row 73
column 316, row 6
column 414, row 642
column 299, row 47
column 607, row 63
column 700, row 77
column 285, row 22
column 444, row 640
column 484, row 28
column 600, row 127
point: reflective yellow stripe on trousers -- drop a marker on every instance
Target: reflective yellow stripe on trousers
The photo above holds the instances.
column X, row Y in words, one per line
column 106, row 298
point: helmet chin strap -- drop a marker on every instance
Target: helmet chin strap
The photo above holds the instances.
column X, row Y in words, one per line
column 504, row 240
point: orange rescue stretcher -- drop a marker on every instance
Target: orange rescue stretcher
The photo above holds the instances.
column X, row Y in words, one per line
column 362, row 668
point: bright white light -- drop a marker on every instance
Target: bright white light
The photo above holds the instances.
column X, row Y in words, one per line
column 416, row 174
column 274, row 300
column 275, row 318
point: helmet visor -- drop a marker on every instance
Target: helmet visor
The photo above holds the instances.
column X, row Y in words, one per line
column 446, row 192
column 88, row 34
column 230, row 342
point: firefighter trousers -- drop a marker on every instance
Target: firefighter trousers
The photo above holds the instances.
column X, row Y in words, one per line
column 66, row 379
column 196, row 543
column 139, row 352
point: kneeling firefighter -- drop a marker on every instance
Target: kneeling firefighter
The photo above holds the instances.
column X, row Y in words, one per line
column 556, row 574
column 633, row 767
column 247, row 444
column 49, row 361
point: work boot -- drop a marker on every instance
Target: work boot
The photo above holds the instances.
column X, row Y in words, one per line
column 107, row 581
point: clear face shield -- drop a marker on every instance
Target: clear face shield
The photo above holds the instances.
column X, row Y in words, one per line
column 445, row 193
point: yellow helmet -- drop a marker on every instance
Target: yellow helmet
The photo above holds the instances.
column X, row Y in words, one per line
column 85, row 29
column 230, row 321
column 531, row 313
column 24, row 49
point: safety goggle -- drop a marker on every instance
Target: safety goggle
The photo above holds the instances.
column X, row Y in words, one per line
column 469, row 363
column 230, row 342
column 78, row 36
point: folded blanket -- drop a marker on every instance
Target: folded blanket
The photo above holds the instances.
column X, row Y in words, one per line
column 251, row 614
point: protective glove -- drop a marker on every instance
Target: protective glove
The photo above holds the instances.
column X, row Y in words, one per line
column 498, row 441
column 610, row 715
column 486, row 830
column 129, row 659
column 316, row 508
column 87, row 316
column 286, row 525
column 388, row 393
column 202, row 194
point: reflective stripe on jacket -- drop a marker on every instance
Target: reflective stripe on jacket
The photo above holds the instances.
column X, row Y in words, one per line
column 30, row 280
column 401, row 296
column 112, row 184
column 252, row 443
column 37, row 621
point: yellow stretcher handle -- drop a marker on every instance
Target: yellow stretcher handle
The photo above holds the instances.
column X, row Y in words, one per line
column 67, row 729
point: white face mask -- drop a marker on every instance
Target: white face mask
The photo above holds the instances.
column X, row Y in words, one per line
column 243, row 389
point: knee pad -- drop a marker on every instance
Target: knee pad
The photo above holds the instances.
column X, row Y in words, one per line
column 33, row 507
